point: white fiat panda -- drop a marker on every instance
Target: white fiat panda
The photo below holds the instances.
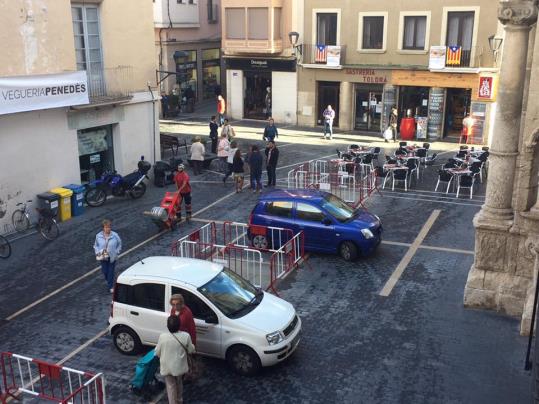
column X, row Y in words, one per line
column 234, row 320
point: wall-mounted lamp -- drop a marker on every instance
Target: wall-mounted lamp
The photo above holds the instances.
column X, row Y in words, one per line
column 495, row 43
column 293, row 37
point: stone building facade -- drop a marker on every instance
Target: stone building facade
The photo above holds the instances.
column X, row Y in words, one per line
column 503, row 276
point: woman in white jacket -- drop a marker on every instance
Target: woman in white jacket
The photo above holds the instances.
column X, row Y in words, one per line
column 197, row 155
column 172, row 350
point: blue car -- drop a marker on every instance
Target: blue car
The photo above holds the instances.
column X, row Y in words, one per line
column 330, row 225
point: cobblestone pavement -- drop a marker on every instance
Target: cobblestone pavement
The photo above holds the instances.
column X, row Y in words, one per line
column 418, row 345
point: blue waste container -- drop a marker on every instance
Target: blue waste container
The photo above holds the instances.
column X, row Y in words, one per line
column 77, row 199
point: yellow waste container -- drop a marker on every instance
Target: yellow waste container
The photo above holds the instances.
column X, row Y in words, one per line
column 64, row 211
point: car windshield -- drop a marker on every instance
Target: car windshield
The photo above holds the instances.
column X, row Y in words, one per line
column 338, row 208
column 232, row 294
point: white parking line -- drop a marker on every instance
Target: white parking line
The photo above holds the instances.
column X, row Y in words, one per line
column 392, row 281
column 387, row 195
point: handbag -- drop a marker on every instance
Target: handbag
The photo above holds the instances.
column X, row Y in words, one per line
column 192, row 362
column 388, row 133
column 104, row 254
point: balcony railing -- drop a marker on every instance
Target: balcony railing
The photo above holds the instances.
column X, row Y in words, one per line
column 110, row 84
column 325, row 56
column 468, row 58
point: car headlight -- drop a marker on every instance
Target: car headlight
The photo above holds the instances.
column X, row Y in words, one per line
column 274, row 337
column 367, row 233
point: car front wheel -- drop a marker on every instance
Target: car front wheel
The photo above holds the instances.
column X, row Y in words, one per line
column 244, row 360
column 126, row 341
column 348, row 251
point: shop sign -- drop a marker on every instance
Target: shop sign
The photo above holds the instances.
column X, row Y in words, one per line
column 92, row 142
column 421, row 127
column 279, row 65
column 333, row 57
column 95, row 158
column 370, row 76
column 437, row 57
column 436, row 112
column 478, row 111
column 485, row 88
column 30, row 93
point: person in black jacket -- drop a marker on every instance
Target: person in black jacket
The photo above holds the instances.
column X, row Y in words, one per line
column 237, row 170
column 255, row 164
column 213, row 134
column 272, row 157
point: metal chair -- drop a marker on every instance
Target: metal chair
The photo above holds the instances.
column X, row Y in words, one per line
column 426, row 146
column 444, row 176
column 376, row 153
column 466, row 181
column 413, row 166
column 403, row 144
column 421, row 154
column 367, row 164
column 400, row 174
column 431, row 159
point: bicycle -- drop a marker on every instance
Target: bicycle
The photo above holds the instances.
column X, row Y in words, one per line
column 21, row 217
column 46, row 224
column 5, row 248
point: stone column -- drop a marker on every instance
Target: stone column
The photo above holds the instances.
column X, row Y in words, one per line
column 345, row 106
column 517, row 16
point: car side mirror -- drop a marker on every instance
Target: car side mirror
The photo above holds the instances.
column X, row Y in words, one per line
column 326, row 221
column 211, row 319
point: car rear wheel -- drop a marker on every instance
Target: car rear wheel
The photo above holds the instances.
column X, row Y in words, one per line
column 348, row 251
column 126, row 341
column 243, row 360
column 260, row 242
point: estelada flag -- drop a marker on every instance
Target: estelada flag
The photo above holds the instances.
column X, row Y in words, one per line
column 453, row 55
column 321, row 54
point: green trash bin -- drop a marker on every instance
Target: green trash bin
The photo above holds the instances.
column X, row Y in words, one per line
column 49, row 201
column 77, row 199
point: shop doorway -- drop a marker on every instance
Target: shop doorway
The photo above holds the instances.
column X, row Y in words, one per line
column 457, row 106
column 413, row 101
column 328, row 94
column 96, row 153
column 368, row 110
column 257, row 94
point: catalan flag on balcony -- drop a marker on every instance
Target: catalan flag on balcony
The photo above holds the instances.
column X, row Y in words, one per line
column 453, row 55
column 321, row 54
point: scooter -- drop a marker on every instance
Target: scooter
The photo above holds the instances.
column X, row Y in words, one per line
column 112, row 182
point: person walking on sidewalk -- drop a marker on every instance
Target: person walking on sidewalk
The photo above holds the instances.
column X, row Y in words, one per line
column 272, row 157
column 107, row 247
column 221, row 109
column 255, row 166
column 393, row 120
column 237, row 170
column 181, row 179
column 231, row 151
column 172, row 350
column 270, row 131
column 228, row 130
column 222, row 152
column 329, row 116
column 213, row 134
column 197, row 155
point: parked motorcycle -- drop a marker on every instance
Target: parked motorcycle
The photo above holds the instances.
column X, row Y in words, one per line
column 112, row 182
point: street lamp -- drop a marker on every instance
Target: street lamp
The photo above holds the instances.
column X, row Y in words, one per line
column 495, row 43
column 293, row 37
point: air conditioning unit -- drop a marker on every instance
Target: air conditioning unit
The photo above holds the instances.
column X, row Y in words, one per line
column 213, row 12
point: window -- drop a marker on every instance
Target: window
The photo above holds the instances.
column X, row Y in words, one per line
column 282, row 209
column 326, row 28
column 146, row 295
column 87, row 40
column 277, row 23
column 199, row 309
column 258, row 23
column 235, row 23
column 373, row 32
column 308, row 212
column 460, row 29
column 187, row 1
column 415, row 28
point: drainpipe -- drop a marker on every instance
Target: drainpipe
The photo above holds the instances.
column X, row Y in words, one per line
column 153, row 120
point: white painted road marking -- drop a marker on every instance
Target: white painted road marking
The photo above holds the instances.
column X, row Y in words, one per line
column 392, row 281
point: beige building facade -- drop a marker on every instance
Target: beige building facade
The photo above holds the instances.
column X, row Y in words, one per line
column 260, row 63
column 506, row 265
column 188, row 42
column 43, row 146
column 363, row 57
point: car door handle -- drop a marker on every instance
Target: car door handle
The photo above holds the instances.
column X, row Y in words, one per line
column 135, row 313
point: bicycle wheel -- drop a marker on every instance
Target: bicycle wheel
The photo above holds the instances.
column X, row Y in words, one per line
column 48, row 228
column 20, row 220
column 5, row 248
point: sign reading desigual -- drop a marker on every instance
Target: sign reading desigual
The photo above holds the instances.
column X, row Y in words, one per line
column 30, row 93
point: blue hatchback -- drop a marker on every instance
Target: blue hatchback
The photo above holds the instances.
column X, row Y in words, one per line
column 330, row 225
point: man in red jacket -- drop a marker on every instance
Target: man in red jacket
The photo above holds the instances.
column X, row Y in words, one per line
column 184, row 187
column 187, row 323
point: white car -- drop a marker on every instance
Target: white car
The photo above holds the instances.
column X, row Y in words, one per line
column 234, row 320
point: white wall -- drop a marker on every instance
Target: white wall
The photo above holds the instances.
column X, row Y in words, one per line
column 181, row 15
column 284, row 97
column 234, row 93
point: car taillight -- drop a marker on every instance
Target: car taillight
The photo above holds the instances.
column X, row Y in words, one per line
column 250, row 219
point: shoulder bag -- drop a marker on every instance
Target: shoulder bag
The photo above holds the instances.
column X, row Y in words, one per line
column 194, row 366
